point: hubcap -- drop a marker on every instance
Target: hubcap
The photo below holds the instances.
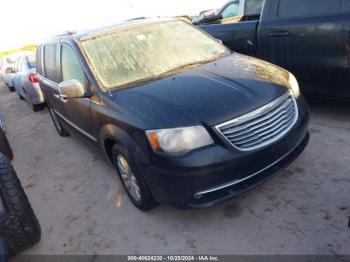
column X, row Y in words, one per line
column 128, row 178
column 55, row 120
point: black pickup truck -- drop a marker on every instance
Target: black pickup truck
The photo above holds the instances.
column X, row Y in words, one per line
column 310, row 38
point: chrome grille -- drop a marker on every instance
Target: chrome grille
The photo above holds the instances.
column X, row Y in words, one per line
column 262, row 126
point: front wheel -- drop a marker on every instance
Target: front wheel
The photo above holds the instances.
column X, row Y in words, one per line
column 12, row 88
column 59, row 128
column 39, row 107
column 133, row 181
column 5, row 147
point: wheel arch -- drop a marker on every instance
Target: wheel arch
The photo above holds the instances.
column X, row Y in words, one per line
column 111, row 135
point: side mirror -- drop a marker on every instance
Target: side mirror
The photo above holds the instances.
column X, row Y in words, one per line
column 211, row 19
column 209, row 13
column 217, row 17
column 71, row 89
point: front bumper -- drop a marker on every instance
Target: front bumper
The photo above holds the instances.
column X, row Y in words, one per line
column 214, row 174
column 238, row 186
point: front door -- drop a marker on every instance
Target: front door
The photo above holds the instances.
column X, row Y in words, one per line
column 77, row 111
column 309, row 38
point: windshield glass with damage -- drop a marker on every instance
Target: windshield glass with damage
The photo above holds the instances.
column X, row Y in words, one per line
column 148, row 51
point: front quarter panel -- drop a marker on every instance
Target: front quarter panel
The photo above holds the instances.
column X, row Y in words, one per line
column 121, row 126
column 134, row 141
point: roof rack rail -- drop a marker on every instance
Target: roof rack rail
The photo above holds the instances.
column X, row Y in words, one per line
column 66, row 33
column 137, row 18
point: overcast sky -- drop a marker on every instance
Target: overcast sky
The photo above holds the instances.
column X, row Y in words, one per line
column 32, row 21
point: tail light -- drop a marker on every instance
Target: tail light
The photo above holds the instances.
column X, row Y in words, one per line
column 33, row 78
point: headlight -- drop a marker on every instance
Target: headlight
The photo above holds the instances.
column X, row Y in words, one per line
column 178, row 141
column 294, row 85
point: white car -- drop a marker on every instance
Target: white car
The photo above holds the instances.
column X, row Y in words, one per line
column 8, row 71
column 26, row 81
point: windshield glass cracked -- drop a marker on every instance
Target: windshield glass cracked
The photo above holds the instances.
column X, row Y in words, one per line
column 148, row 51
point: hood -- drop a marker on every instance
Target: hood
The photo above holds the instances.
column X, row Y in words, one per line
column 207, row 95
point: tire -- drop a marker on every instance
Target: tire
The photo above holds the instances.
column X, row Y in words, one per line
column 12, row 88
column 37, row 108
column 5, row 147
column 56, row 122
column 19, row 228
column 21, row 97
column 146, row 201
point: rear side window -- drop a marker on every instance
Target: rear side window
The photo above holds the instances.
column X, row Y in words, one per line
column 39, row 66
column 50, row 63
column 304, row 8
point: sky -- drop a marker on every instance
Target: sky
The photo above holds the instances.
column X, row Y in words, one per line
column 33, row 21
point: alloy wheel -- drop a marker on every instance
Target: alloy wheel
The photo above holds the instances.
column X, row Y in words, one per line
column 128, row 178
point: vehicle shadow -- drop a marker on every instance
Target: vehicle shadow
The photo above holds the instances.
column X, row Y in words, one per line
column 334, row 109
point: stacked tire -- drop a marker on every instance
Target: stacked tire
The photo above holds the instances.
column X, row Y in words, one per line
column 19, row 227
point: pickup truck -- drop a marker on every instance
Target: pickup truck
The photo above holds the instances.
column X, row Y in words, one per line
column 231, row 12
column 309, row 38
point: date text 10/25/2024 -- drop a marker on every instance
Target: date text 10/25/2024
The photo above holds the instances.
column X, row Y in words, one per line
column 173, row 258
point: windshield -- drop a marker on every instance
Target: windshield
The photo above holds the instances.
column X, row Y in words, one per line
column 31, row 60
column 148, row 51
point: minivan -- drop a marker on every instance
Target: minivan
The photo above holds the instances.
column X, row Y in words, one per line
column 183, row 120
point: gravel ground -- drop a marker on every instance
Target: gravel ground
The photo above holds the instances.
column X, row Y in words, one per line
column 83, row 209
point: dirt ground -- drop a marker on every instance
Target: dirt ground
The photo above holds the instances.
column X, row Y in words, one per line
column 83, row 209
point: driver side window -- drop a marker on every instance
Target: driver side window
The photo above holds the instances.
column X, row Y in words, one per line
column 71, row 67
column 231, row 10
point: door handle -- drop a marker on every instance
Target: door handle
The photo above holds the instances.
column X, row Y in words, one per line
column 62, row 97
column 279, row 33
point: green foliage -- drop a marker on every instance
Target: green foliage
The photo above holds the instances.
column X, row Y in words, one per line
column 22, row 49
